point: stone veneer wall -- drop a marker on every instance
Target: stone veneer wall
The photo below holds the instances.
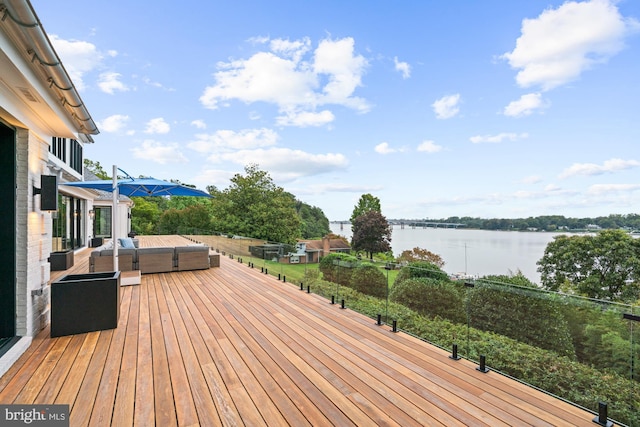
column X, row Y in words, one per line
column 33, row 237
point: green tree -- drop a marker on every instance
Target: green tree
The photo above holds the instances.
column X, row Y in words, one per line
column 604, row 266
column 96, row 168
column 371, row 233
column 254, row 206
column 145, row 215
column 315, row 224
column 195, row 217
column 366, row 203
column 169, row 222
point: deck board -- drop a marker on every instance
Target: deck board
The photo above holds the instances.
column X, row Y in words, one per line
column 231, row 346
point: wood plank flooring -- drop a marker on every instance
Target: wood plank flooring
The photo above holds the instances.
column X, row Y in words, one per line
column 231, row 346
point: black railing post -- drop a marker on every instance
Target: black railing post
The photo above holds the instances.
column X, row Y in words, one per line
column 602, row 417
column 483, row 365
column 454, row 353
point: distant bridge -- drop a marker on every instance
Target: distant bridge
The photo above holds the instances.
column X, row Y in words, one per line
column 415, row 224
column 426, row 224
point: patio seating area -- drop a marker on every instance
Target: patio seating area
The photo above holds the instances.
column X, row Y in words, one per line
column 232, row 346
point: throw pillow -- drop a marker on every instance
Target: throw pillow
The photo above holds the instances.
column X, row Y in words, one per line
column 127, row 243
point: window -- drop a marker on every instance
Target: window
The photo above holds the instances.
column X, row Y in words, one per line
column 68, row 224
column 102, row 221
column 75, row 160
column 60, row 148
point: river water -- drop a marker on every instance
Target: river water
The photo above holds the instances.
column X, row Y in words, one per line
column 473, row 252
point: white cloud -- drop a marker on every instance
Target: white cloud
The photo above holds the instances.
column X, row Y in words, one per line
column 110, row 82
column 600, row 189
column 496, row 139
column 200, row 124
column 335, row 59
column 429, row 147
column 285, row 163
column 146, row 80
column 291, row 49
column 338, row 188
column 158, row 126
column 383, row 148
column 403, row 67
column 589, row 169
column 217, row 177
column 159, row 153
column 305, row 118
column 283, row 78
column 78, row 57
column 228, row 140
column 525, row 106
column 533, row 179
column 560, row 44
column 264, row 77
column 114, row 123
column 447, row 106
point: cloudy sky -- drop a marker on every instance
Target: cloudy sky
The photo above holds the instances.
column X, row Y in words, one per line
column 497, row 108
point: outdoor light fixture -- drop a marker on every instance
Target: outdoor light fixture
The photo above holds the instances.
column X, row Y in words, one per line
column 92, row 214
column 48, row 192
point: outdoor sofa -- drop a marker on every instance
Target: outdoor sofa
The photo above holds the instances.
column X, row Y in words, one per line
column 151, row 260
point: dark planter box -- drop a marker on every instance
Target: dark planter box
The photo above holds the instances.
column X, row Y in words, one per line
column 62, row 260
column 85, row 303
column 97, row 241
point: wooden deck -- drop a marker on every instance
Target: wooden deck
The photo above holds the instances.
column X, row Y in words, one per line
column 231, row 346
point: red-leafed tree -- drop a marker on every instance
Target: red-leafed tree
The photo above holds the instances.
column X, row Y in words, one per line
column 371, row 233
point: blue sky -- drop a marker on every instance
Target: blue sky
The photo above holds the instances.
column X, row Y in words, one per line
column 486, row 109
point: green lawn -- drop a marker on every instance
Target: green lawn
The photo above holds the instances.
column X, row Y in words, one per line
column 295, row 273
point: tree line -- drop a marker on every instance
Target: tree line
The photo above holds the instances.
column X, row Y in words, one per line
column 546, row 222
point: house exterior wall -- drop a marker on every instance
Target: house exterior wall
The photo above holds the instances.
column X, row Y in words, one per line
column 33, row 237
column 35, row 111
column 33, row 244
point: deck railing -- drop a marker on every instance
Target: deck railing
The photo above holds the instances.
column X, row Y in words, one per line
column 581, row 350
